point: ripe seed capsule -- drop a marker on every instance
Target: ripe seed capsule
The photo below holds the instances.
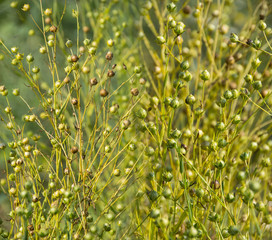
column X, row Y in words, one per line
column 74, row 101
column 103, row 93
column 74, row 58
column 109, row 56
column 134, row 91
column 53, row 29
column 111, row 73
column 93, row 81
column 74, row 149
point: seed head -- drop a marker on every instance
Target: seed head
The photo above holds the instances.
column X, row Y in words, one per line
column 74, row 58
column 111, row 73
column 134, row 91
column 53, row 29
column 74, row 149
column 109, row 56
column 103, row 93
column 93, row 81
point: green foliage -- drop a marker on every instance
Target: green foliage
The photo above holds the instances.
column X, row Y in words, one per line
column 135, row 119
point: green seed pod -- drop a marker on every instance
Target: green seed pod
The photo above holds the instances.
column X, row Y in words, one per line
column 92, row 50
column 187, row 76
column 260, row 206
column 171, row 7
column 256, row 63
column 248, row 196
column 138, row 69
column 168, row 100
column 116, row 172
column 234, row 38
column 257, row 85
column 108, row 148
column 198, row 111
column 93, row 229
column 228, row 94
column 262, row 25
column 132, row 147
column 179, row 29
column 88, row 236
column 220, row 126
column 43, row 232
column 141, row 113
column 172, row 23
column 241, row 175
column 233, row 230
column 205, row 75
column 161, row 40
column 178, row 84
column 213, row 217
column 69, row 43
column 171, row 143
column 200, row 192
column 149, row 151
column 175, row 134
column 235, row 93
column 230, row 197
column 155, row 213
column 236, row 119
column 174, row 103
column 30, row 58
column 193, row 232
column 185, row 65
column 220, row 164
column 245, row 156
column 153, row 195
column 190, row 99
column 222, row 143
column 267, row 219
column 266, row 162
column 19, row 211
column 255, row 186
column 35, row 69
column 167, row 176
column 167, row 193
column 107, row 227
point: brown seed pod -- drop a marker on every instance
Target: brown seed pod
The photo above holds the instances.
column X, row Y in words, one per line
column 30, row 227
column 111, row 73
column 35, row 199
column 2, row 88
column 74, row 149
column 142, row 81
column 266, row 73
column 124, row 66
column 264, row 92
column 86, row 29
column 126, row 123
column 186, row 9
column 53, row 29
column 66, row 80
column 74, row 101
column 82, row 49
column 74, row 58
column 134, row 91
column 230, row 60
column 109, row 56
column 66, row 171
column 215, row 184
column 103, row 93
column 93, row 81
column 47, row 20
column 261, row 16
column 114, row 66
